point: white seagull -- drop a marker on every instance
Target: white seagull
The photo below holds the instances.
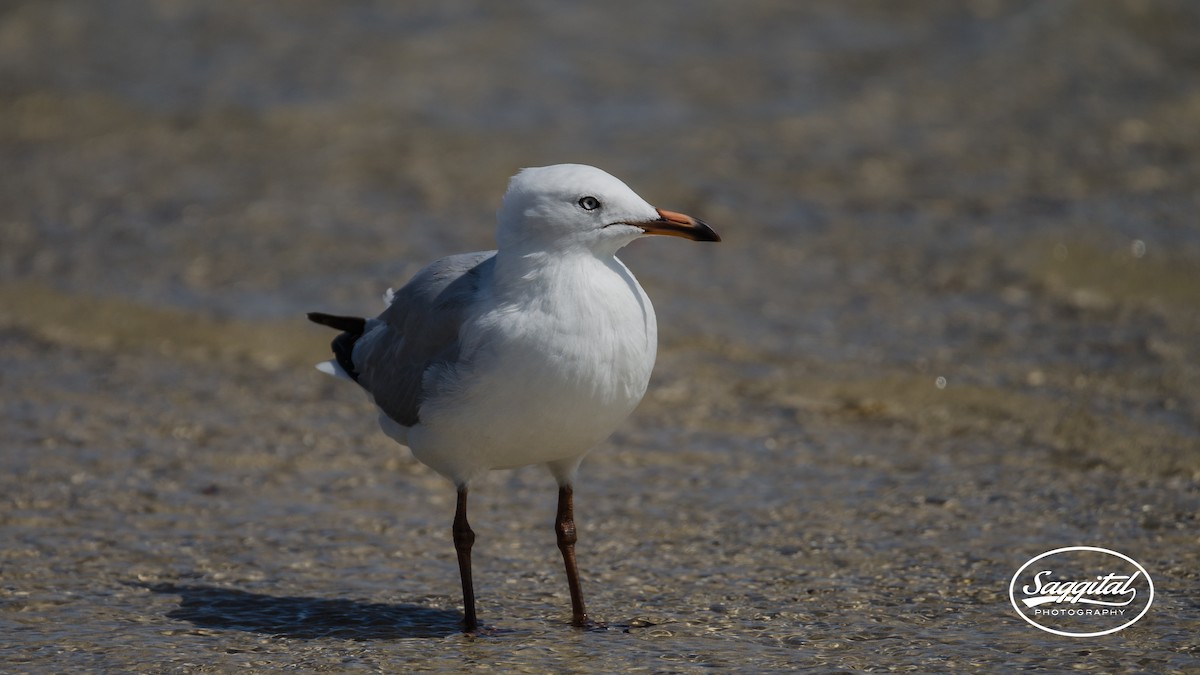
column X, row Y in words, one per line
column 530, row 354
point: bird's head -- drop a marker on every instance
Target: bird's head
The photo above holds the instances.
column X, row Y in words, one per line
column 574, row 206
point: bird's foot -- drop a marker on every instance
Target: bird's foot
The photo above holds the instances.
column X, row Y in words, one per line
column 588, row 624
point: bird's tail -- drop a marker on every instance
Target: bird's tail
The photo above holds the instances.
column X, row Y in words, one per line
column 352, row 328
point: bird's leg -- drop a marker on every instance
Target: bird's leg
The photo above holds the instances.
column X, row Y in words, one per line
column 464, row 538
column 564, row 526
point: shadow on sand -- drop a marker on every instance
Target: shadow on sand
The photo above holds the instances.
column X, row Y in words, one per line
column 306, row 618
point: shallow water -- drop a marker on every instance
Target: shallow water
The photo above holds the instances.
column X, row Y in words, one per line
column 997, row 194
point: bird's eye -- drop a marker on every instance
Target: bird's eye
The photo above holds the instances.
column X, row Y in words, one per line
column 589, row 203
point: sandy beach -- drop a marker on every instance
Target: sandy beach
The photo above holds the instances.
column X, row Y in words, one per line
column 954, row 323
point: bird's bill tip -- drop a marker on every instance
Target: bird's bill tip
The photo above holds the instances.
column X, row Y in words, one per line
column 674, row 224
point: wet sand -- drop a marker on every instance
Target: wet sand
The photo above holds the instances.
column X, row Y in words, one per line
column 954, row 324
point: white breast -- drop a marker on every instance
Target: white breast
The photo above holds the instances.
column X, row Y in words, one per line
column 551, row 370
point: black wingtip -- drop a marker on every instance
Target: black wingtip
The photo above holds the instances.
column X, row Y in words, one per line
column 349, row 324
column 352, row 328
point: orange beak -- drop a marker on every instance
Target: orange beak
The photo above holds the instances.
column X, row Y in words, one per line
column 675, row 224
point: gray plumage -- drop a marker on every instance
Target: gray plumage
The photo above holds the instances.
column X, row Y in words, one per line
column 418, row 330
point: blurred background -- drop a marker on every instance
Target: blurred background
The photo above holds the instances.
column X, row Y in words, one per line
column 954, row 323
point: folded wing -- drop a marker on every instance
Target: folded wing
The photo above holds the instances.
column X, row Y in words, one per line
column 388, row 355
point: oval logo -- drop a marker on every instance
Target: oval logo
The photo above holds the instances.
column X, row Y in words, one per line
column 1081, row 591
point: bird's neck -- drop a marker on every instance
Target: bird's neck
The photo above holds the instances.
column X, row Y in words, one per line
column 523, row 271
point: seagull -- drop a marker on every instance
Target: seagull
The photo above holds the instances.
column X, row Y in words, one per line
column 529, row 354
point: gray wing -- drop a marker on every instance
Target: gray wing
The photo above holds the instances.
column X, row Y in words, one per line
column 419, row 329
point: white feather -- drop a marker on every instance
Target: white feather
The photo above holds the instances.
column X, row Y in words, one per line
column 333, row 368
